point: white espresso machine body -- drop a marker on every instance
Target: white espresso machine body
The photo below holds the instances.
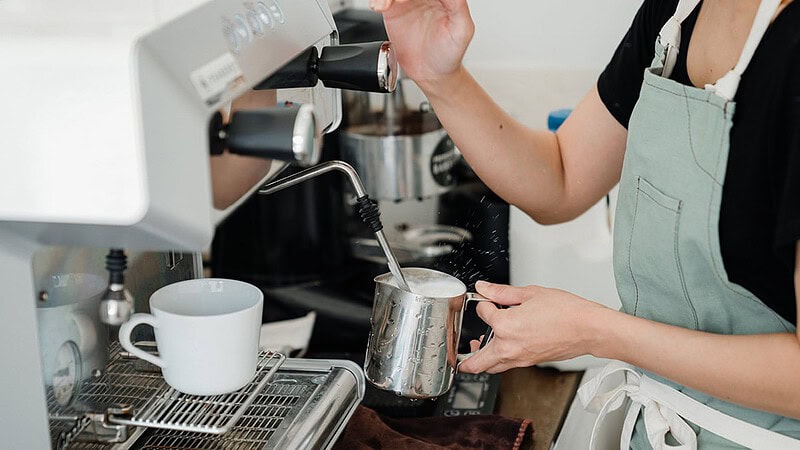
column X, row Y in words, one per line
column 106, row 111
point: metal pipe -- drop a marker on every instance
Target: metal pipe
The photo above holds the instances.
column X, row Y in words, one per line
column 358, row 186
column 311, row 172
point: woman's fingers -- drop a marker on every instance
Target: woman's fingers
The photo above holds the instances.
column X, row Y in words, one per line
column 474, row 345
column 503, row 294
column 488, row 312
column 383, row 5
column 482, row 360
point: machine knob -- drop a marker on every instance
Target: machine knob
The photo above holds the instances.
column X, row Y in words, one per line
column 370, row 67
column 287, row 133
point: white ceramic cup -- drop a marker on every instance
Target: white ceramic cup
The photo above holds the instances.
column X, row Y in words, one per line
column 207, row 334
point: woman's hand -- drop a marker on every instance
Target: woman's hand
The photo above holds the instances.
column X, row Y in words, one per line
column 542, row 325
column 429, row 37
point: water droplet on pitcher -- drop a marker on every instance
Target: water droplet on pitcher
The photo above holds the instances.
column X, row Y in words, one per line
column 441, row 344
column 441, row 369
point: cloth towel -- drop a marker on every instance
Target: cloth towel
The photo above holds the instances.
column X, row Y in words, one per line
column 368, row 430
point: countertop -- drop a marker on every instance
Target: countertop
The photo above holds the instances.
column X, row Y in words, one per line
column 541, row 395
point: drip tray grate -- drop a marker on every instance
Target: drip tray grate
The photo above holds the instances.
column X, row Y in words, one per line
column 271, row 408
column 290, row 404
column 173, row 410
column 154, row 404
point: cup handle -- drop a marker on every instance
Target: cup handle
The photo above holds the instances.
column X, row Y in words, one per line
column 125, row 337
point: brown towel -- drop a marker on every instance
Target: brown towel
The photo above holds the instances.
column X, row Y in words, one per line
column 368, row 430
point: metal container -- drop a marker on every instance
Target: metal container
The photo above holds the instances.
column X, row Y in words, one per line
column 401, row 167
column 413, row 342
column 397, row 144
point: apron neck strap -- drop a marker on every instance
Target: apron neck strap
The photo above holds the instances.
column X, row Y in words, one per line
column 670, row 34
column 725, row 87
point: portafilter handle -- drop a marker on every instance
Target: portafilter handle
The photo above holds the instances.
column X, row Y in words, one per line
column 367, row 208
column 369, row 66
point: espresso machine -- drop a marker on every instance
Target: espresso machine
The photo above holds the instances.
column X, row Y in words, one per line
column 132, row 130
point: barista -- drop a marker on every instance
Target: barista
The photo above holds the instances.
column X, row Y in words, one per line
column 707, row 230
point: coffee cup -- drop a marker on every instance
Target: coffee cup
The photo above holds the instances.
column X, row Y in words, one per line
column 207, row 333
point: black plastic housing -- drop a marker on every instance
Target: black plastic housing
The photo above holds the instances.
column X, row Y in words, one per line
column 264, row 133
column 297, row 73
column 353, row 67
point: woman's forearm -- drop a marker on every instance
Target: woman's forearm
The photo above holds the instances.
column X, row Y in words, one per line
column 757, row 371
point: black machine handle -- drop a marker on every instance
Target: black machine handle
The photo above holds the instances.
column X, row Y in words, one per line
column 370, row 67
column 287, row 133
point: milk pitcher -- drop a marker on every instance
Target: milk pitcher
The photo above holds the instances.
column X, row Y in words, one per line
column 413, row 341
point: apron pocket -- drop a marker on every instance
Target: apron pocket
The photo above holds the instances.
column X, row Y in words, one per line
column 654, row 260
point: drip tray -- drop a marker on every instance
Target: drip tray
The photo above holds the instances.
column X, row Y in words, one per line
column 294, row 405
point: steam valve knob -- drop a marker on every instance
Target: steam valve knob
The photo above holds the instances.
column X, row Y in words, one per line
column 370, row 67
column 287, row 133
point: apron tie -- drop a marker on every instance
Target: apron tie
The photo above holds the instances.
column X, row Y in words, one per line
column 658, row 418
column 667, row 410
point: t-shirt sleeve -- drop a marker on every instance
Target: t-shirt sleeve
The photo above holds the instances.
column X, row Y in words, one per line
column 621, row 81
column 787, row 232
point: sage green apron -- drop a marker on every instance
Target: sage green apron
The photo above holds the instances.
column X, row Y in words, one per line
column 667, row 259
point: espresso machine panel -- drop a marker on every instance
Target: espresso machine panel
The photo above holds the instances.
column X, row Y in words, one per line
column 107, row 118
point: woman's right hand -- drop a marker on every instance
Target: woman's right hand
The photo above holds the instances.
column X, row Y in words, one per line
column 429, row 37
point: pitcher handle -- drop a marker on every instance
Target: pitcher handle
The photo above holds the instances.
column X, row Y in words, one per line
column 487, row 335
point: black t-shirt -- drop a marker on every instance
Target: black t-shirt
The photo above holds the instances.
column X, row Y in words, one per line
column 759, row 223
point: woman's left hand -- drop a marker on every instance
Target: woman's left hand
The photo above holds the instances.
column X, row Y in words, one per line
column 542, row 325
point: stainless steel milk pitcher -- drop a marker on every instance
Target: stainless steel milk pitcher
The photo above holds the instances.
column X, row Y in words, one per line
column 413, row 342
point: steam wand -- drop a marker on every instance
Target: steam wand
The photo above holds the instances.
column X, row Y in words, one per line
column 367, row 209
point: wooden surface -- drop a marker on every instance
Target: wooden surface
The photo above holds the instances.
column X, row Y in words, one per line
column 541, row 395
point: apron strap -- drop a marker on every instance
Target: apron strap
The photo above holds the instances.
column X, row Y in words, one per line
column 670, row 34
column 727, row 86
column 666, row 411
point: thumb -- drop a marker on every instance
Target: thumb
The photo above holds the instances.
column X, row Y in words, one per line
column 502, row 294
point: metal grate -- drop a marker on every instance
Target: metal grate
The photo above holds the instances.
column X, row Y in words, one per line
column 277, row 404
column 216, row 414
column 155, row 404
